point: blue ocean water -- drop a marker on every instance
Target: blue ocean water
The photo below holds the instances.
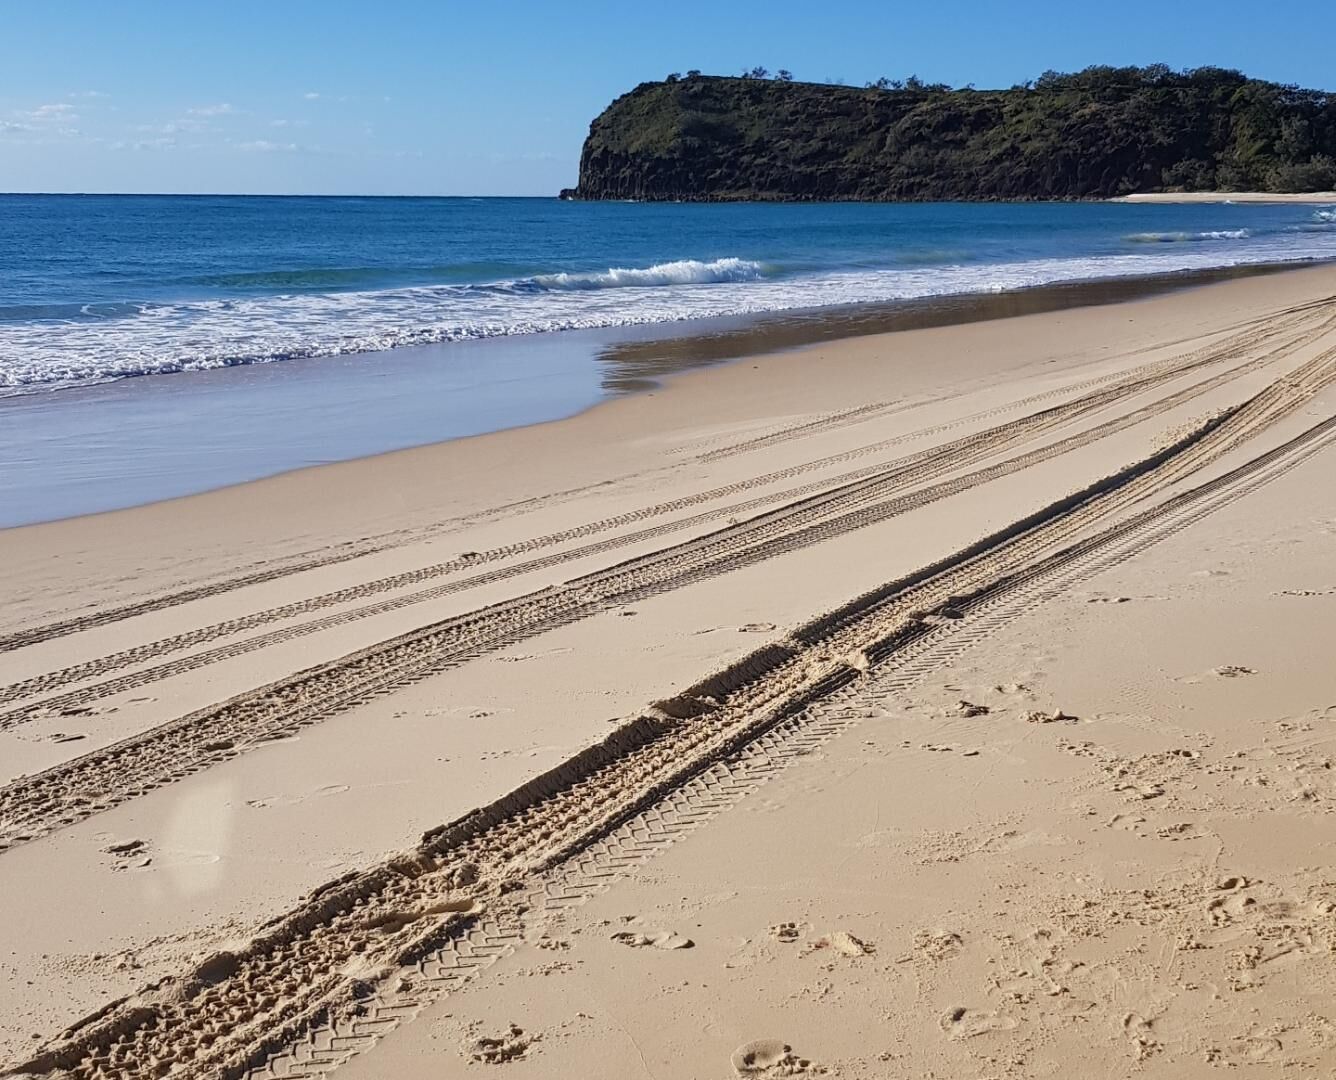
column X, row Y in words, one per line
column 97, row 288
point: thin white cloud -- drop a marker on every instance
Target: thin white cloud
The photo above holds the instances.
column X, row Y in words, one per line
column 60, row 110
column 44, row 122
column 88, row 94
column 265, row 146
column 165, row 142
column 311, row 95
column 223, row 109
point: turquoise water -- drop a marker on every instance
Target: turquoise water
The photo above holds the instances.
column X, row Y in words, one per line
column 98, row 288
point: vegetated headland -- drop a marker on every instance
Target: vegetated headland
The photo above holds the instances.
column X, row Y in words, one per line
column 1095, row 134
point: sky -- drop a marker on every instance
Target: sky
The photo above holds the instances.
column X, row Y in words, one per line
column 439, row 97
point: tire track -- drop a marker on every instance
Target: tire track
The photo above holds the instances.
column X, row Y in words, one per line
column 1253, row 332
column 343, row 959
column 916, row 468
column 75, row 790
column 335, row 1039
column 812, row 427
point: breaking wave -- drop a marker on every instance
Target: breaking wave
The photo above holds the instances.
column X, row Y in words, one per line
column 1187, row 237
column 682, row 272
column 50, row 350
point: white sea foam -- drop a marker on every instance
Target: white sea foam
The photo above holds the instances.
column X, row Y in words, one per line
column 682, row 272
column 1326, row 213
column 161, row 338
column 1187, row 237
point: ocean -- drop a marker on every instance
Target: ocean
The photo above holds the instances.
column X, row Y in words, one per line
column 137, row 291
column 94, row 288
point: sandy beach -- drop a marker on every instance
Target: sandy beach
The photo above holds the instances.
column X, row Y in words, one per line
column 1306, row 197
column 954, row 702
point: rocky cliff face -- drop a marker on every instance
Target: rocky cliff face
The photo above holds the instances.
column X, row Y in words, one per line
column 1096, row 134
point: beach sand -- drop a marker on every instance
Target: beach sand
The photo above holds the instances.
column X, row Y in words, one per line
column 1230, row 196
column 954, row 702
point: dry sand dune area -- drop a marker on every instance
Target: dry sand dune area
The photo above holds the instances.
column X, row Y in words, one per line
column 951, row 703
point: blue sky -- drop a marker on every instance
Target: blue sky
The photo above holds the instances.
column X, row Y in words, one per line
column 446, row 97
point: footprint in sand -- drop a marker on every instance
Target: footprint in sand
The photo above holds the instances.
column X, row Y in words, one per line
column 768, row 1057
column 129, row 854
column 1055, row 717
column 962, row 1023
column 756, row 628
column 844, row 943
column 1233, row 671
column 1253, row 1049
column 938, row 944
column 1142, row 792
column 1178, row 830
column 1224, row 910
column 126, row 847
column 664, row 939
column 786, row 932
column 499, row 1049
column 1139, row 1030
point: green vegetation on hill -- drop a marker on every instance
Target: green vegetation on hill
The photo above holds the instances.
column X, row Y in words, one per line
column 1097, row 133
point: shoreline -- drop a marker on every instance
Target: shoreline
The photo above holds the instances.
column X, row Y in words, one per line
column 557, row 376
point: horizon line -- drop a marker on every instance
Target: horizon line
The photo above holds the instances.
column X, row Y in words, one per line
column 261, row 195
